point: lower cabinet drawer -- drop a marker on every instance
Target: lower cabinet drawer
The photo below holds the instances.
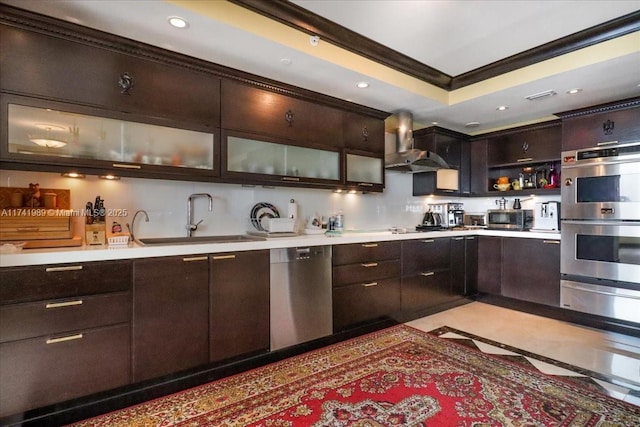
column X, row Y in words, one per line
column 42, row 371
column 365, row 272
column 34, row 319
column 425, row 290
column 364, row 301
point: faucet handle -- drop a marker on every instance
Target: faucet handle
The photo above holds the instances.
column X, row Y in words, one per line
column 194, row 227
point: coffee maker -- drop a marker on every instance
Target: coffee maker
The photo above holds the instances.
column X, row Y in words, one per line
column 452, row 213
column 546, row 216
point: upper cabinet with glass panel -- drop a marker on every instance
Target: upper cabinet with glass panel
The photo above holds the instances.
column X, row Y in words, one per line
column 279, row 162
column 85, row 140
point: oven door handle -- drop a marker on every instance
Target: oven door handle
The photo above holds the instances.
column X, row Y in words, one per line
column 595, row 291
column 597, row 222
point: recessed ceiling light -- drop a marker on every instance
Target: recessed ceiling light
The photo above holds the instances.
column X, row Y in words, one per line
column 502, row 108
column 574, row 91
column 286, row 61
column 178, row 22
column 472, row 125
column 435, row 123
column 362, row 85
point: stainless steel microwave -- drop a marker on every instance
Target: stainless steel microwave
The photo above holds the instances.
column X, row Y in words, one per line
column 510, row 219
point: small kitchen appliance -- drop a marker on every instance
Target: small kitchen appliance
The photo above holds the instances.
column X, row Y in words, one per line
column 451, row 214
column 546, row 216
column 509, row 219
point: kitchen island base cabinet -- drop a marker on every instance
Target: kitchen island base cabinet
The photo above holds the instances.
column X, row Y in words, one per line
column 170, row 315
column 239, row 304
column 531, row 270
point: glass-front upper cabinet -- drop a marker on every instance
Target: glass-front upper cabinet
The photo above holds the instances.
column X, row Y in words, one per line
column 365, row 172
column 247, row 155
column 38, row 134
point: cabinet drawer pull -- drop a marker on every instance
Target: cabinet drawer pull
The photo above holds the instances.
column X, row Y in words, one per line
column 525, row 159
column 369, row 264
column 428, row 273
column 63, row 304
column 607, row 143
column 67, row 268
column 290, row 178
column 427, row 241
column 195, row 258
column 365, row 184
column 63, row 339
column 457, row 238
column 368, row 285
column 369, row 245
column 125, row 166
column 216, row 257
column 552, row 242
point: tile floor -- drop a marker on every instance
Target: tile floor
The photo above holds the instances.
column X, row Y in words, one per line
column 615, row 357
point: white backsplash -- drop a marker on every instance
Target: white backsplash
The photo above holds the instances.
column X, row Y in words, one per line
column 166, row 202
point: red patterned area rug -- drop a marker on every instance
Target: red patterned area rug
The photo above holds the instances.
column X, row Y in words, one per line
column 395, row 377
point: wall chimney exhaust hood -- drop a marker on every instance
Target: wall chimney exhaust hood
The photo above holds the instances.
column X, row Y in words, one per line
column 408, row 159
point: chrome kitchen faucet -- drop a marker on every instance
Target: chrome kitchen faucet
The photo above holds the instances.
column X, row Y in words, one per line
column 191, row 227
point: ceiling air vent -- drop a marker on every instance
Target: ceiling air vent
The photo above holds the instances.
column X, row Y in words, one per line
column 540, row 95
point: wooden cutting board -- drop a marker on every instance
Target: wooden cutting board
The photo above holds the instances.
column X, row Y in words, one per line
column 53, row 243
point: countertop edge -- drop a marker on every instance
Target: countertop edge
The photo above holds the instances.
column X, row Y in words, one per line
column 85, row 253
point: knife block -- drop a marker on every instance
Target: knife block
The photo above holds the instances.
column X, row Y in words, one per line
column 95, row 234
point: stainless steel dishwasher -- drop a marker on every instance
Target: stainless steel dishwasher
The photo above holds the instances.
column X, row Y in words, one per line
column 301, row 307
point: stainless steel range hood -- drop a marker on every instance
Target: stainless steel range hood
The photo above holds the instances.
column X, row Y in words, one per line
column 408, row 159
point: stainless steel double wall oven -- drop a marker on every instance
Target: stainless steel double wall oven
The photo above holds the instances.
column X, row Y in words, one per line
column 600, row 261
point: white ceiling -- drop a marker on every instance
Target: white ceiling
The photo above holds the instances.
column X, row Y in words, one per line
column 452, row 36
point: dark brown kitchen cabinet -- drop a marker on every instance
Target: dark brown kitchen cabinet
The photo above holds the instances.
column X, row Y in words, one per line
column 77, row 68
column 479, row 177
column 256, row 158
column 454, row 150
column 464, row 265
column 530, row 151
column 251, row 109
column 238, row 304
column 426, row 279
column 366, row 282
column 170, row 315
column 363, row 133
column 601, row 125
column 528, row 144
column 531, row 270
column 490, row 264
column 65, row 332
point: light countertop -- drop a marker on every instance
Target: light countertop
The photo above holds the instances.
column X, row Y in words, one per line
column 88, row 253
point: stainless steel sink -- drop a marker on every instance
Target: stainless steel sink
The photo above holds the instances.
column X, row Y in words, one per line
column 199, row 239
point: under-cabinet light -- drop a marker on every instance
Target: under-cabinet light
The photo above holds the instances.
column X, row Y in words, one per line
column 73, row 175
column 109, row 177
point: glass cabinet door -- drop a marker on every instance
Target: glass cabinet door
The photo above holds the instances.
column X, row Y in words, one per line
column 365, row 171
column 292, row 163
column 34, row 131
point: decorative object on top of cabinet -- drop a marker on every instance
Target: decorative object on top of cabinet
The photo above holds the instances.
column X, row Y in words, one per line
column 601, row 125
